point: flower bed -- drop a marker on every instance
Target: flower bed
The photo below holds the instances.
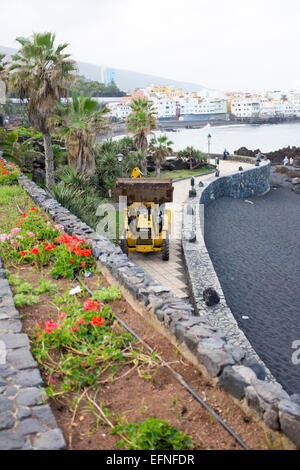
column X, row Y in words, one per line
column 9, row 173
column 98, row 377
column 79, row 347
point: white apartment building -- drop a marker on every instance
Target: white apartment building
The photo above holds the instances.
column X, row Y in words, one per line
column 295, row 100
column 164, row 107
column 213, row 107
column 279, row 108
column 245, row 108
column 120, row 110
column 267, row 108
column 288, row 108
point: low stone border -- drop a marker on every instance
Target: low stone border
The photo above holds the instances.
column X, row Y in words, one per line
column 248, row 378
column 176, row 180
column 26, row 420
column 234, row 158
column 205, row 345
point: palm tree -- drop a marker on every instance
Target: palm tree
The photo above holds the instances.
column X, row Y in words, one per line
column 191, row 155
column 141, row 122
column 42, row 73
column 79, row 123
column 160, row 148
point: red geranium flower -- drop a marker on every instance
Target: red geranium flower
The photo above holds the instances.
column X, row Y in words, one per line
column 49, row 247
column 23, row 253
column 34, row 251
column 50, row 326
column 89, row 305
column 98, row 321
column 86, row 252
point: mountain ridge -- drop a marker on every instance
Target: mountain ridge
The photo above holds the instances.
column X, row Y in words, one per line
column 126, row 80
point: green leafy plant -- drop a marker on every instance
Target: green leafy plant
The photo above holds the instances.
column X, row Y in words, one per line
column 152, row 434
column 22, row 300
column 45, row 286
column 88, row 345
column 108, row 294
column 78, row 198
column 24, row 288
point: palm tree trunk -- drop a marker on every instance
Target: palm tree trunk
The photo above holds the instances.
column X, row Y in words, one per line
column 145, row 165
column 49, row 162
column 157, row 170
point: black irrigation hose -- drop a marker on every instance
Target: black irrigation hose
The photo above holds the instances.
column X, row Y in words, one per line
column 178, row 378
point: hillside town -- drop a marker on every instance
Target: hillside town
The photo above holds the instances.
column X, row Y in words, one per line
column 176, row 104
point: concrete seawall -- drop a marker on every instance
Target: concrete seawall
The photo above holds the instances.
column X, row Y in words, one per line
column 239, row 185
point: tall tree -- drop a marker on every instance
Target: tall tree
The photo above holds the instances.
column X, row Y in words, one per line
column 160, row 148
column 79, row 123
column 141, row 122
column 42, row 73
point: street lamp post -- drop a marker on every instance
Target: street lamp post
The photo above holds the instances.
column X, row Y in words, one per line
column 120, row 158
column 208, row 146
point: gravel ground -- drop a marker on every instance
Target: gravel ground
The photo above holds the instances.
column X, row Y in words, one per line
column 255, row 249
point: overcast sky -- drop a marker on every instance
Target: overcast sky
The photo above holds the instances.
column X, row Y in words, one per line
column 223, row 44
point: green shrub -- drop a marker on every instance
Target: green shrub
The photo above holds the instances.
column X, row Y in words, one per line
column 45, row 286
column 152, row 434
column 24, row 288
column 22, row 300
column 82, row 203
column 59, row 155
column 108, row 294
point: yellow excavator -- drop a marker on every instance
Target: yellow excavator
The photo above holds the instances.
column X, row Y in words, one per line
column 147, row 223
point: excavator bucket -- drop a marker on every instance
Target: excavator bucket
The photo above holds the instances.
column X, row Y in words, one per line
column 144, row 190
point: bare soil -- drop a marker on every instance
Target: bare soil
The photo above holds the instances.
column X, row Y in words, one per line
column 132, row 398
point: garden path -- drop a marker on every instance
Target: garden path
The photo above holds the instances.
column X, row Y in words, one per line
column 171, row 273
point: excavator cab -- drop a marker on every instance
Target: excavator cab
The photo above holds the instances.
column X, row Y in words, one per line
column 147, row 222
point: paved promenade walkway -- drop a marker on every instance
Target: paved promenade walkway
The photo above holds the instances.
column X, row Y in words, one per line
column 171, row 273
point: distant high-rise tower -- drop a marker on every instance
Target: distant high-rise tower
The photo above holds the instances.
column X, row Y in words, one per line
column 110, row 76
column 102, row 79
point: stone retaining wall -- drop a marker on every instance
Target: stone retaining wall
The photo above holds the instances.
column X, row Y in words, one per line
column 203, row 343
column 247, row 378
column 238, row 185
